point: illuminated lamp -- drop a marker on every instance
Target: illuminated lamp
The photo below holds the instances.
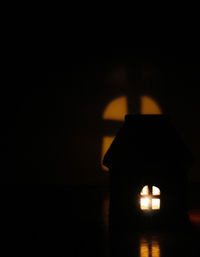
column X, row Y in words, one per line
column 148, row 164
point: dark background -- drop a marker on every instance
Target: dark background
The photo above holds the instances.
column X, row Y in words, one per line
column 54, row 130
column 52, row 124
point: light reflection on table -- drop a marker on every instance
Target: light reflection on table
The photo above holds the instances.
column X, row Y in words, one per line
column 149, row 247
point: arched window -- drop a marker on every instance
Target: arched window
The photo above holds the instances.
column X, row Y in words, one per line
column 150, row 198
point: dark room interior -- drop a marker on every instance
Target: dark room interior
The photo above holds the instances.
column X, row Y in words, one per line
column 55, row 188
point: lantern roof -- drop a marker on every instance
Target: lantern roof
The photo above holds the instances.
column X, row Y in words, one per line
column 147, row 140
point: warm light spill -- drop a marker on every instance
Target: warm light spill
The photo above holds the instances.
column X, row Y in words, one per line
column 145, row 190
column 194, row 216
column 149, row 248
column 116, row 109
column 155, row 190
column 144, row 249
column 155, row 249
column 149, row 106
column 155, row 204
column 144, row 203
column 107, row 141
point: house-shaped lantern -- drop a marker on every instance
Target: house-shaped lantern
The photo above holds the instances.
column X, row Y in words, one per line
column 148, row 164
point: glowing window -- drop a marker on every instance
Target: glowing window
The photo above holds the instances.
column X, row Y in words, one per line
column 150, row 202
column 145, row 191
column 155, row 204
column 156, row 190
column 145, row 203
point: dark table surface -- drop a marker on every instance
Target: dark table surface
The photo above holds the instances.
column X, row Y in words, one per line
column 74, row 222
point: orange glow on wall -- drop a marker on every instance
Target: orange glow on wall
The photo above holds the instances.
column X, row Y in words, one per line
column 107, row 141
column 149, row 106
column 116, row 109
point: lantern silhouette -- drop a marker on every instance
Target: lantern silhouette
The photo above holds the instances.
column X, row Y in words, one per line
column 148, row 164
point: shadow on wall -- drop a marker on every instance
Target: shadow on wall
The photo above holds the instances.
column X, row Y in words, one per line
column 117, row 109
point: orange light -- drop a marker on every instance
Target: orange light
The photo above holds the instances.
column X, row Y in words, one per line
column 149, row 106
column 155, row 249
column 144, row 249
column 116, row 109
column 194, row 216
column 107, row 141
column 149, row 247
